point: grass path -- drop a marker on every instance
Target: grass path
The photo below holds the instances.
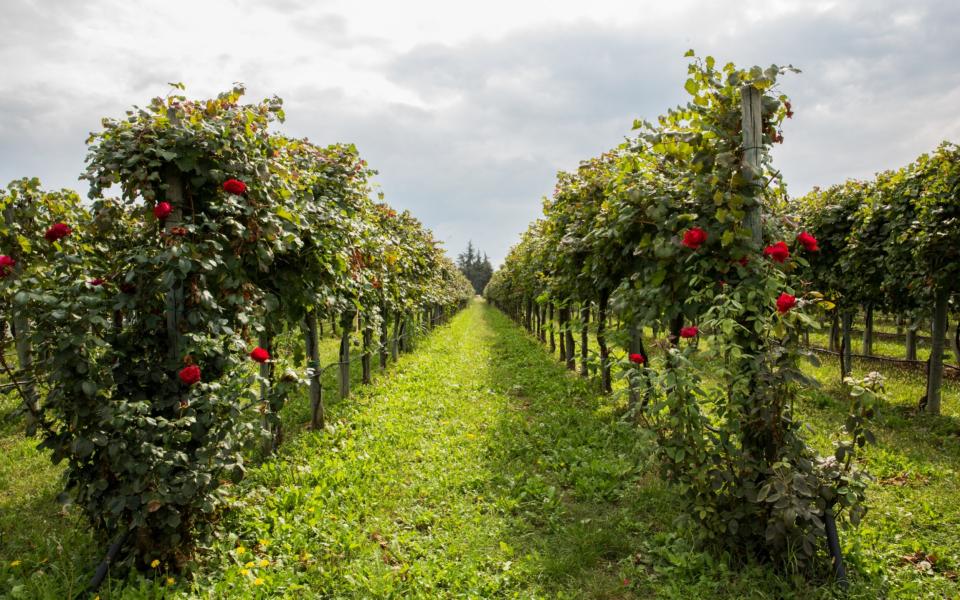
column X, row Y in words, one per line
column 478, row 467
column 474, row 470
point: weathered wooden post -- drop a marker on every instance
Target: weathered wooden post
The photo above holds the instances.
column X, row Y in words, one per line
column 955, row 343
column 935, row 365
column 384, row 336
column 752, row 126
column 346, row 320
column 846, row 353
column 635, row 346
column 911, row 339
column 311, row 338
column 560, row 335
column 584, row 337
column 367, row 355
column 543, row 324
column 605, row 381
column 266, row 384
column 568, row 339
column 397, row 330
column 868, row 330
column 553, row 343
column 175, row 196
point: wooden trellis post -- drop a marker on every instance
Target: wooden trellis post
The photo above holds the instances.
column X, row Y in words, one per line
column 867, row 330
column 752, row 125
column 266, row 385
column 346, row 320
column 846, row 352
column 397, row 329
column 311, row 338
column 367, row 356
column 911, row 340
column 605, row 381
column 384, row 336
column 568, row 340
column 176, row 196
column 553, row 343
column 584, row 337
column 935, row 368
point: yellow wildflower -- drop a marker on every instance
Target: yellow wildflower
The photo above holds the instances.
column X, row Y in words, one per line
column 154, row 564
column 15, row 563
column 264, row 563
column 171, row 581
column 257, row 581
column 264, row 543
column 249, row 564
column 241, row 549
column 244, row 572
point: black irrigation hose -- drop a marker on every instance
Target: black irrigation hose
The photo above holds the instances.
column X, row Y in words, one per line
column 100, row 574
column 833, row 542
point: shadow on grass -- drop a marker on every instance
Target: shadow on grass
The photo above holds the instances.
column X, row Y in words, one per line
column 573, row 474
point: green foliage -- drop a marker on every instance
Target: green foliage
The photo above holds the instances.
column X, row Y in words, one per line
column 148, row 455
column 735, row 451
column 888, row 242
column 478, row 270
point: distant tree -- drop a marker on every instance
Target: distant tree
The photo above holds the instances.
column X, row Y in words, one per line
column 478, row 270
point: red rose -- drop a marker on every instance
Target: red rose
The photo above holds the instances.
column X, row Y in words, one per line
column 689, row 332
column 234, row 186
column 743, row 261
column 694, row 237
column 808, row 241
column 96, row 281
column 785, row 302
column 162, row 210
column 6, row 265
column 260, row 355
column 778, row 252
column 638, row 359
column 57, row 231
column 190, row 374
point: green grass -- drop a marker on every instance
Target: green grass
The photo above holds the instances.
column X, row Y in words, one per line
column 478, row 467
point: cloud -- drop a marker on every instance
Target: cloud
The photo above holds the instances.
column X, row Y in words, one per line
column 468, row 118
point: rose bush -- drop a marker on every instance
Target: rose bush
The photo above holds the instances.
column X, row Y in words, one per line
column 736, row 452
column 141, row 333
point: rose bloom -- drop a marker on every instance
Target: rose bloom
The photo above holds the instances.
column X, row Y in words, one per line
column 808, row 241
column 6, row 265
column 260, row 355
column 96, row 281
column 778, row 252
column 785, row 302
column 694, row 237
column 57, row 231
column 162, row 210
column 689, row 332
column 190, row 374
column 235, row 186
column 637, row 358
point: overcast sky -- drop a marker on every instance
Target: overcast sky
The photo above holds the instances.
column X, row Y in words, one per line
column 468, row 109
